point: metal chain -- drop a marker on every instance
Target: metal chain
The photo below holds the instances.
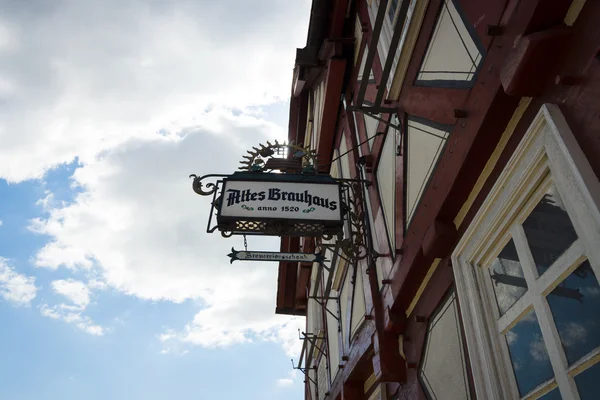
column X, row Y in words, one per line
column 245, row 243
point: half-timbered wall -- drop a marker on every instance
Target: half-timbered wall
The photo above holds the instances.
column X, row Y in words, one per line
column 457, row 114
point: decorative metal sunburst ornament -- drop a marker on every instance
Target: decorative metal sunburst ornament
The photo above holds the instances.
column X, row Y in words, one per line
column 258, row 158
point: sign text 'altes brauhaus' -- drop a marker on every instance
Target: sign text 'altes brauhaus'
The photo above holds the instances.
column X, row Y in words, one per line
column 283, row 197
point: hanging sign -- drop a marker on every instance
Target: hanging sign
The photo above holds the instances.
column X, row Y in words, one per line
column 274, row 256
column 267, row 203
column 281, row 200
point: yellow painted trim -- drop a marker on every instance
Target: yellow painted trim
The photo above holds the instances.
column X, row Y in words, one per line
column 546, row 389
column 573, row 12
column 339, row 270
column 376, row 395
column 415, row 300
column 491, row 163
column 357, row 38
column 369, row 382
column 408, row 47
column 585, row 365
column 401, row 346
column 319, row 343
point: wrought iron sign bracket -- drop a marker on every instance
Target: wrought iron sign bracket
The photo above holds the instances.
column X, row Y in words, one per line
column 313, row 340
column 305, row 372
column 356, row 246
column 333, row 249
column 319, row 300
column 212, row 188
column 239, row 208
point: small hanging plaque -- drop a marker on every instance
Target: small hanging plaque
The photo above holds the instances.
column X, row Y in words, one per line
column 274, row 256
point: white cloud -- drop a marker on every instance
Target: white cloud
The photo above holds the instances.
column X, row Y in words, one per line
column 138, row 226
column 283, row 382
column 78, row 293
column 79, row 78
column 46, row 201
column 537, row 348
column 14, row 287
column 72, row 315
column 1, row 222
column 574, row 332
column 142, row 98
column 511, row 337
column 97, row 284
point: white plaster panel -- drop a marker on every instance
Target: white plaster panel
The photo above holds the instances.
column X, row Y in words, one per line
column 451, row 49
column 371, row 125
column 443, row 370
column 344, row 303
column 386, row 181
column 344, row 160
column 423, row 152
column 332, row 336
column 359, row 309
column 323, row 380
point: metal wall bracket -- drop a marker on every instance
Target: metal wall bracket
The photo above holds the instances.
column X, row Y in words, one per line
column 208, row 189
column 305, row 372
column 319, row 300
column 312, row 339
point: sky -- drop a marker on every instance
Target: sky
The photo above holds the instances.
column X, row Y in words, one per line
column 110, row 287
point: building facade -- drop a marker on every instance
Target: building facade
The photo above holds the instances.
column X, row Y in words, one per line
column 477, row 125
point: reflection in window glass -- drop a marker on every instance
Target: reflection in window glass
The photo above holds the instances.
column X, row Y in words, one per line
column 528, row 354
column 587, row 383
column 575, row 305
column 392, row 10
column 507, row 277
column 554, row 394
column 549, row 231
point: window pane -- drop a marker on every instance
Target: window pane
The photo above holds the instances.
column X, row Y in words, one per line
column 554, row 394
column 587, row 383
column 575, row 305
column 392, row 10
column 549, row 231
column 507, row 275
column 425, row 146
column 528, row 354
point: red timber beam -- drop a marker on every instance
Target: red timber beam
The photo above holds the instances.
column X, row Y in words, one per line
column 333, row 89
column 287, row 280
column 293, row 279
column 488, row 109
column 332, row 50
column 302, row 285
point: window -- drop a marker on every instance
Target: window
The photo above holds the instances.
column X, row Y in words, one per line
column 528, row 267
column 392, row 8
column 454, row 54
column 443, row 369
column 424, row 144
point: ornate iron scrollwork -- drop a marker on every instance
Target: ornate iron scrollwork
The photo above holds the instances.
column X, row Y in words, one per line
column 352, row 241
column 355, row 246
column 197, row 185
column 210, row 189
column 258, row 158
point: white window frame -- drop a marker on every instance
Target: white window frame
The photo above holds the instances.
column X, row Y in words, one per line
column 548, row 151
